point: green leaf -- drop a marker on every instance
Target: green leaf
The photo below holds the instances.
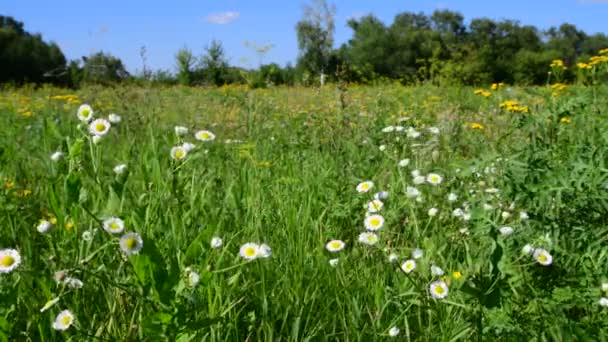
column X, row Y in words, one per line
column 73, row 185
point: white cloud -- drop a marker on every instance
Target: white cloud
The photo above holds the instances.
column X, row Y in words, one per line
column 222, row 18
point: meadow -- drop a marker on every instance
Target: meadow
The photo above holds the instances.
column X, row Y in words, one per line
column 376, row 213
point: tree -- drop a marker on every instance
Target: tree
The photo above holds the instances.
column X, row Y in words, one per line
column 315, row 36
column 214, row 64
column 185, row 62
column 103, row 68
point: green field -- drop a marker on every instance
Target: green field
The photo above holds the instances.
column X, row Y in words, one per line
column 283, row 170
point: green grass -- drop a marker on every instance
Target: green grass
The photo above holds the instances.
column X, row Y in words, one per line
column 290, row 183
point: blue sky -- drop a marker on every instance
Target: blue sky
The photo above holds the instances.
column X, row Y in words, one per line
column 122, row 27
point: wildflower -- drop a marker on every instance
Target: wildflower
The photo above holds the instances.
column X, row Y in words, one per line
column 408, row 266
column 476, row 125
column 382, row 195
column 131, row 243
column 265, row 251
column 527, row 249
column 178, row 153
column 192, row 277
column 439, row 289
column 56, row 156
column 120, row 169
column 506, row 231
column 64, row 320
column 188, row 146
column 456, row 275
column 412, row 133
column 404, row 162
column 96, row 139
column 393, row 258
column 49, row 304
column 368, row 238
column 417, row 253
column 415, row 173
column 388, row 129
column 434, row 130
column 374, row 222
column 382, row 148
column 114, row 225
column 436, row 271
column 204, row 136
column 523, row 215
column 419, row 180
column 374, row 206
column 216, row 242
column 44, row 226
column 85, row 113
column 452, row 197
column 505, row 215
column 458, row 212
column 114, row 118
column 488, row 207
column 492, row 191
column 412, row 192
column 542, row 257
column 365, row 186
column 434, row 179
column 10, row 259
column 87, row 235
column 180, row 130
column 565, row 120
column 335, row 245
column 99, row 127
column 603, row 302
column 333, row 262
column 394, row 331
column 73, row 283
column 433, row 212
column 249, row 251
column 605, row 287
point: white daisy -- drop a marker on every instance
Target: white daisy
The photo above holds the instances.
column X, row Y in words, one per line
column 452, row 197
column 131, row 243
column 63, row 320
column 193, row 278
column 120, row 169
column 265, row 251
column 374, row 206
column 113, row 225
column 178, row 152
column 365, row 186
column 216, row 242
column 388, row 129
column 542, row 257
column 419, row 180
column 250, row 251
column 458, row 212
column 523, row 215
column 44, row 226
column 527, row 249
column 10, row 259
column 412, row 192
column 436, row 271
column 417, row 253
column 85, row 113
column 382, row 148
column 368, row 238
column 605, row 287
column 488, row 207
column 603, row 302
column 382, row 195
column 49, row 304
column 408, row 266
column 404, row 162
column 56, row 156
column 506, row 230
column 204, row 136
column 99, row 127
column 335, row 245
column 334, row 262
column 434, row 130
column 188, row 146
column 181, row 130
column 415, row 173
column 433, row 212
column 394, row 331
column 373, row 222
column 434, row 179
column 399, row 128
column 393, row 258
column 439, row 289
column 114, row 118
column 412, row 133
column 505, row 215
column 73, row 283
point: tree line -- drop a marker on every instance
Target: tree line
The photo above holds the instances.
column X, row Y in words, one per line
column 439, row 48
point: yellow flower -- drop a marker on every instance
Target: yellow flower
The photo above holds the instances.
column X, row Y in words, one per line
column 558, row 64
column 456, row 275
column 69, row 225
column 583, row 66
column 478, row 91
column 496, row 86
column 565, row 120
column 9, row 184
column 53, row 220
column 603, row 51
column 476, row 125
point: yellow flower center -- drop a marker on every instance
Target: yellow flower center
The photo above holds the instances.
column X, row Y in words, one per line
column 371, row 238
column 434, row 179
column 409, row 266
column 66, row 320
column 204, row 135
column 100, row 127
column 374, row 222
column 86, row 113
column 69, row 225
column 335, row 245
column 542, row 257
column 439, row 290
column 179, row 154
column 114, row 226
column 7, row 261
column 364, row 186
column 131, row 243
column 250, row 251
